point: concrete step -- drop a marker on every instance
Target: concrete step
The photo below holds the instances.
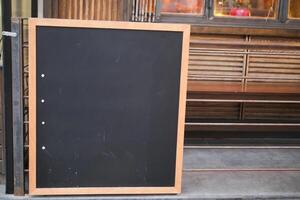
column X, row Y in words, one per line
column 242, row 184
column 242, row 159
column 212, row 185
column 208, row 184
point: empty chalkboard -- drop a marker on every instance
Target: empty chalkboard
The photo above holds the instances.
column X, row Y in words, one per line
column 107, row 103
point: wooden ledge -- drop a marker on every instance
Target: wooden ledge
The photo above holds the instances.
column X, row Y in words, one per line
column 237, row 87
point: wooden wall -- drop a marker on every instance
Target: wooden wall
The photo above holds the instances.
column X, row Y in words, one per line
column 234, row 72
column 115, row 10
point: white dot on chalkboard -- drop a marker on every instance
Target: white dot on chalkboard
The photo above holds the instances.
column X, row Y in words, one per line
column 43, row 100
column 43, row 123
column 43, row 147
column 42, row 75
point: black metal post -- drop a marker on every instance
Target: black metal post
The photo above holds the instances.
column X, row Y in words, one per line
column 7, row 91
column 283, row 11
column 34, row 8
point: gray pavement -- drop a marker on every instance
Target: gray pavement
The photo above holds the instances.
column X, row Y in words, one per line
column 269, row 183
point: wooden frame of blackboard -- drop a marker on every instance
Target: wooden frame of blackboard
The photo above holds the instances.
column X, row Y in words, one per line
column 33, row 23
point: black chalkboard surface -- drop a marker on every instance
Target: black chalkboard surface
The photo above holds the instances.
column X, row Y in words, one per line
column 108, row 107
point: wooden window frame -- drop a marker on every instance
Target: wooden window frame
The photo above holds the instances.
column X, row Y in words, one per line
column 288, row 19
column 280, row 21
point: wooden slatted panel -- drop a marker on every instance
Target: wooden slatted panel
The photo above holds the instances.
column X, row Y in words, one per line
column 274, row 112
column 277, row 64
column 207, row 110
column 207, row 64
column 208, row 69
column 113, row 10
column 202, row 64
column 233, row 70
column 274, row 40
column 274, row 66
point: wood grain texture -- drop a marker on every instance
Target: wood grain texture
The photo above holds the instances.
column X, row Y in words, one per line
column 231, row 71
column 113, row 10
column 54, row 9
column 32, row 105
column 62, row 8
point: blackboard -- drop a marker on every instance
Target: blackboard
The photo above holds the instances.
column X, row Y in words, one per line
column 106, row 106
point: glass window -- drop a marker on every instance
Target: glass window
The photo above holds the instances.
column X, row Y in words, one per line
column 294, row 9
column 182, row 6
column 246, row 8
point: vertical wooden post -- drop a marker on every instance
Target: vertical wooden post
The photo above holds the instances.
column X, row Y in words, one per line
column 17, row 99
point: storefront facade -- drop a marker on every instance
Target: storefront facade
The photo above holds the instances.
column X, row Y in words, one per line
column 244, row 69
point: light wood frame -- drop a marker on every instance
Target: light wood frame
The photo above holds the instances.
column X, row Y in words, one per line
column 33, row 24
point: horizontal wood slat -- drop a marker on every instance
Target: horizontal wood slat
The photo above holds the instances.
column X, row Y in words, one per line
column 204, row 110
column 206, row 62
column 275, row 67
column 287, row 112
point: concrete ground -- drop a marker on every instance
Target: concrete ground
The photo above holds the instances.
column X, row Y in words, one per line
column 226, row 173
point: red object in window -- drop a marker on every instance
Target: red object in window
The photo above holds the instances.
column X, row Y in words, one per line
column 240, row 12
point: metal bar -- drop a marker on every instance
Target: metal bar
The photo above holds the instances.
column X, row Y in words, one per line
column 224, row 52
column 17, row 98
column 248, row 77
column 240, row 124
column 155, row 12
column 244, row 81
column 145, row 10
column 142, row 10
column 137, row 10
column 150, row 11
column 133, row 10
column 9, row 34
column 252, row 45
column 7, row 101
column 241, row 169
column 34, row 8
column 242, row 100
column 241, row 147
column 40, row 7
